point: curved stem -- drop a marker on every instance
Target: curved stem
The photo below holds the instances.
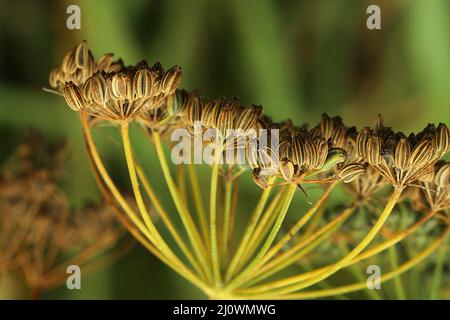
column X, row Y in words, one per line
column 232, row 268
column 355, row 251
column 166, row 219
column 300, row 223
column 213, row 223
column 256, row 261
column 363, row 285
column 194, row 236
column 198, row 201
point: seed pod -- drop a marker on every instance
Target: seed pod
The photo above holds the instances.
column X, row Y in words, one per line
column 174, row 102
column 247, row 117
column 259, row 181
column 54, row 77
column 322, row 152
column 96, row 89
column 374, row 151
column 81, row 55
column 362, row 141
column 210, row 113
column 268, row 159
column 104, row 62
column 298, row 151
column 426, row 175
column 171, row 80
column 252, row 155
column 421, row 153
column 143, row 83
column 351, row 172
column 402, row 154
column 287, row 169
column 225, row 120
column 68, row 63
column 442, row 178
column 121, row 87
column 326, row 126
column 441, row 139
column 338, row 138
column 74, row 97
column 192, row 109
column 311, row 155
column 157, row 75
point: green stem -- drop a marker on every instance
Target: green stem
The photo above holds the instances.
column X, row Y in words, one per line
column 398, row 284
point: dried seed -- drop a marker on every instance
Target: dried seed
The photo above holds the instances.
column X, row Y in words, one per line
column 259, row 181
column 96, row 89
column 287, row 169
column 81, row 55
column 247, row 117
column 171, row 80
column 121, row 88
column 143, row 83
column 74, row 97
column 374, row 150
column 362, row 141
column 441, row 139
column 351, row 172
column 421, row 153
column 402, row 154
column 442, row 178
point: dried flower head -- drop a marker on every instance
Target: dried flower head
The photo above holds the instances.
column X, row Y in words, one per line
column 401, row 159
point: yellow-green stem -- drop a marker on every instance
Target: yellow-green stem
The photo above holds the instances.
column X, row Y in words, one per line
column 360, row 247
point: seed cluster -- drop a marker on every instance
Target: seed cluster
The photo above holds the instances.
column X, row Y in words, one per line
column 38, row 228
column 368, row 158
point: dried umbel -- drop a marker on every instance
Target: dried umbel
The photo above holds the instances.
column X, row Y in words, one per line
column 208, row 251
column 78, row 65
column 39, row 232
column 123, row 95
column 433, row 190
column 400, row 159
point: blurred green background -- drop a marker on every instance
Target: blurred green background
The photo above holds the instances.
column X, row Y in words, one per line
column 296, row 58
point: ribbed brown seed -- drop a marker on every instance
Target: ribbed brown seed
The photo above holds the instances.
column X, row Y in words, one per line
column 68, row 65
column 322, row 152
column 247, row 117
column 210, row 112
column 73, row 95
column 96, row 89
column 104, row 61
column 326, row 126
column 192, row 110
column 441, row 139
column 427, row 175
column 81, row 55
column 121, row 87
column 298, row 152
column 287, row 169
column 373, row 150
column 402, row 154
column 157, row 72
column 252, row 156
column 261, row 182
column 421, row 153
column 338, row 138
column 225, row 120
column 143, row 83
column 54, row 77
column 171, row 80
column 311, row 155
column 362, row 141
column 442, row 178
column 174, row 102
column 351, row 172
